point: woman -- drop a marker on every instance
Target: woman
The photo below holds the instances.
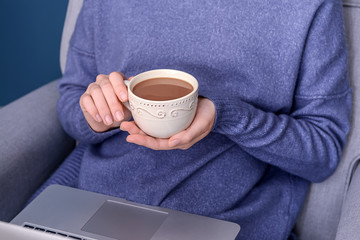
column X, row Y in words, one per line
column 272, row 117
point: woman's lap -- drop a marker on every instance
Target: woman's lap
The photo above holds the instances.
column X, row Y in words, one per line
column 67, row 173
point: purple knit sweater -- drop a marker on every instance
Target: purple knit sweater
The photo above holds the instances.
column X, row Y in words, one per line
column 277, row 73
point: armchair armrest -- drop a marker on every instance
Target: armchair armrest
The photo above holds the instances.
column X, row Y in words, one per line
column 348, row 227
column 32, row 145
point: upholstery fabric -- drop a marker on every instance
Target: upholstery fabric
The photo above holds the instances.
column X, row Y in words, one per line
column 73, row 11
column 350, row 219
column 27, row 159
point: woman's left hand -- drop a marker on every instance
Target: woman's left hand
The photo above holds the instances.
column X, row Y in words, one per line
column 199, row 128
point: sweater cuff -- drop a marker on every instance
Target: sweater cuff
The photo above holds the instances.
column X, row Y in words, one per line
column 230, row 116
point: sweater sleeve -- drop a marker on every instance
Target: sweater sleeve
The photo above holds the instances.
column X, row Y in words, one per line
column 80, row 71
column 308, row 141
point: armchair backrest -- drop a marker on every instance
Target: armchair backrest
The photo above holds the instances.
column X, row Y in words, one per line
column 73, row 10
column 321, row 213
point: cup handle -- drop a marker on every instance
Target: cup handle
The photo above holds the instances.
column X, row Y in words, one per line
column 127, row 104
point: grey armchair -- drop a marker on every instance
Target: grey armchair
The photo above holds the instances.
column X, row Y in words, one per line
column 33, row 144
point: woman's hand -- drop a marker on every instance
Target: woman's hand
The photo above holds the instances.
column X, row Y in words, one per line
column 102, row 102
column 199, row 128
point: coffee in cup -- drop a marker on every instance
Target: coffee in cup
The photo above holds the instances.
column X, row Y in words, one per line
column 163, row 102
column 162, row 89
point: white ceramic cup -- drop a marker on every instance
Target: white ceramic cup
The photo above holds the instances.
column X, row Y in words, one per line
column 163, row 119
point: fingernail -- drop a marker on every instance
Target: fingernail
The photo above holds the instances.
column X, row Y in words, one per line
column 108, row 120
column 98, row 118
column 174, row 142
column 129, row 139
column 122, row 96
column 119, row 116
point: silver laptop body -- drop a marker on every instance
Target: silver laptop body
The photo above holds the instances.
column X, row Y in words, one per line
column 14, row 232
column 86, row 215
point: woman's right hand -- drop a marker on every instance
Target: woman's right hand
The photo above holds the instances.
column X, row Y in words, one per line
column 102, row 102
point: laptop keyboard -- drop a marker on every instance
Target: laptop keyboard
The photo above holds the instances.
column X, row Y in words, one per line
column 51, row 231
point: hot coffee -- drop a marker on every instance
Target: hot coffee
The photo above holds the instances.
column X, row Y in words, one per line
column 162, row 89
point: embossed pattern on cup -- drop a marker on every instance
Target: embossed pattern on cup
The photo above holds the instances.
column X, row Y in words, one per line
column 166, row 110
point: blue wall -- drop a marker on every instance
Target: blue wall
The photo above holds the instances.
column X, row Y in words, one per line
column 30, row 34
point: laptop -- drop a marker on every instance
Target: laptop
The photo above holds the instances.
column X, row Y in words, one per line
column 14, row 232
column 84, row 215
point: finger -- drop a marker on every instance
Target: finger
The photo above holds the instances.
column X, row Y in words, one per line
column 137, row 136
column 120, row 89
column 199, row 128
column 87, row 105
column 189, row 135
column 190, row 144
column 116, row 108
column 185, row 139
column 148, row 141
column 100, row 103
column 130, row 127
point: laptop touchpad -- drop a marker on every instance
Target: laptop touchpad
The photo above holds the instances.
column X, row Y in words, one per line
column 124, row 221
